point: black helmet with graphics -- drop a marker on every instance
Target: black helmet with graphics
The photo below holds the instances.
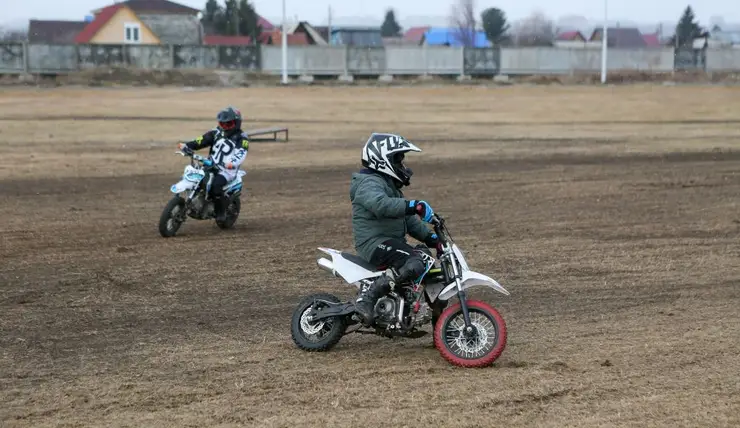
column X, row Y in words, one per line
column 229, row 121
column 385, row 153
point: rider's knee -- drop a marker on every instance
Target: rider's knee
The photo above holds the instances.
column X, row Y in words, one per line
column 413, row 268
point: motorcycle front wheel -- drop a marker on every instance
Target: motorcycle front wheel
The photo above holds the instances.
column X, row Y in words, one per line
column 477, row 349
column 173, row 216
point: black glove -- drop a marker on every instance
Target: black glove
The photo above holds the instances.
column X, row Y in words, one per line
column 186, row 149
column 433, row 241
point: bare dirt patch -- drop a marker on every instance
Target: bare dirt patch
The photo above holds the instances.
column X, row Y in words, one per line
column 618, row 243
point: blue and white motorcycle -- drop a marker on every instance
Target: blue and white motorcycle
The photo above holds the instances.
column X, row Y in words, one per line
column 192, row 197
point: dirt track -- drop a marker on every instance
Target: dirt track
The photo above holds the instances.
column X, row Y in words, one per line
column 618, row 242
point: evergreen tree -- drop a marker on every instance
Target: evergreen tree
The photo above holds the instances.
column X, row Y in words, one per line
column 211, row 13
column 248, row 20
column 390, row 27
column 495, row 25
column 236, row 17
column 687, row 29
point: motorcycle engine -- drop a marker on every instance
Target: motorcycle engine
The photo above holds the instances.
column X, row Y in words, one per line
column 385, row 310
column 424, row 315
column 199, row 206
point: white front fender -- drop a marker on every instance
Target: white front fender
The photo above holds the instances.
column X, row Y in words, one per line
column 182, row 186
column 471, row 279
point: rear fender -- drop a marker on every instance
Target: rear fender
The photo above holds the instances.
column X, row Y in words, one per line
column 236, row 184
column 471, row 279
column 343, row 268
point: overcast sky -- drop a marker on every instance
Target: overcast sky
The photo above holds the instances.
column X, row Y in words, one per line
column 315, row 11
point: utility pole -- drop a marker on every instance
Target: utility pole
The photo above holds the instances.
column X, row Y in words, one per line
column 285, row 48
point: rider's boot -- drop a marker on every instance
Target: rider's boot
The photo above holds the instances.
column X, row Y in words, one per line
column 220, row 205
column 365, row 303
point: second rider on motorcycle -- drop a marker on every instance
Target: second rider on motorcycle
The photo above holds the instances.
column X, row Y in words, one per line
column 228, row 149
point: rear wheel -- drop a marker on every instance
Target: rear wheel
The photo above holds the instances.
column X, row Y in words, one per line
column 173, row 216
column 319, row 335
column 232, row 213
column 477, row 349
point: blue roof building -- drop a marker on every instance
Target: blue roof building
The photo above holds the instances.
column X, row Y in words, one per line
column 436, row 36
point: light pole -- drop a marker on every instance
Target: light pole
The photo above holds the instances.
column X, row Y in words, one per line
column 603, row 45
column 285, row 49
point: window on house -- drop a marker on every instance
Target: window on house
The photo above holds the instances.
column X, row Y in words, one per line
column 132, row 33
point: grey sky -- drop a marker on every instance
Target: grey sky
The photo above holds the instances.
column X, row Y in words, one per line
column 315, row 11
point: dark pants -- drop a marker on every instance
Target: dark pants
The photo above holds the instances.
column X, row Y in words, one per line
column 217, row 185
column 406, row 263
column 405, row 260
column 220, row 203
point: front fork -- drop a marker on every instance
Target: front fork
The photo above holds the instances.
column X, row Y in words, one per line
column 461, row 295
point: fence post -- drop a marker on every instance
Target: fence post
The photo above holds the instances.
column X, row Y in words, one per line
column 425, row 55
column 462, row 61
column 171, row 51
column 261, row 58
column 346, row 60
column 26, row 59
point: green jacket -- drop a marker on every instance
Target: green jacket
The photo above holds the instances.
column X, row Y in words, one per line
column 379, row 213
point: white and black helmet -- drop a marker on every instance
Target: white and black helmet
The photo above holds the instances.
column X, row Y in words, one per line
column 385, row 153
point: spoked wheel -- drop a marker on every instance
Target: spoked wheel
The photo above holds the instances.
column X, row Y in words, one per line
column 232, row 213
column 319, row 335
column 437, row 308
column 479, row 348
column 173, row 216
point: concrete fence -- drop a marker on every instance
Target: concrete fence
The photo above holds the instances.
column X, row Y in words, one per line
column 355, row 61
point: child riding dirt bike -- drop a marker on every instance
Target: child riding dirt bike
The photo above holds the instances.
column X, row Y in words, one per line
column 226, row 154
column 381, row 217
column 401, row 287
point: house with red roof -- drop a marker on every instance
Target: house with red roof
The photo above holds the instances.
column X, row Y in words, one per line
column 131, row 22
column 571, row 36
column 572, row 39
column 651, row 40
column 415, row 35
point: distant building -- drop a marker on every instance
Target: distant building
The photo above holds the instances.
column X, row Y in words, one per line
column 571, row 36
column 56, row 32
column 572, row 39
column 435, row 36
column 143, row 22
column 133, row 22
column 415, row 35
column 719, row 39
column 356, row 36
column 652, row 40
column 620, row 38
column 313, row 35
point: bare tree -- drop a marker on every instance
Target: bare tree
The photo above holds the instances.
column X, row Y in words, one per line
column 463, row 22
column 534, row 30
column 13, row 35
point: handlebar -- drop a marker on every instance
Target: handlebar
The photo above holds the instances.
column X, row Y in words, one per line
column 192, row 155
column 436, row 220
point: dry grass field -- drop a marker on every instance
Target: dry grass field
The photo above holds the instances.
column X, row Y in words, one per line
column 612, row 216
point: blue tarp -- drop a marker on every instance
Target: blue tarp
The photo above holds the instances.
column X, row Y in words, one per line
column 444, row 36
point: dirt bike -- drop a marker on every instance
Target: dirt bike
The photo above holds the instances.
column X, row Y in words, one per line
column 470, row 333
column 196, row 203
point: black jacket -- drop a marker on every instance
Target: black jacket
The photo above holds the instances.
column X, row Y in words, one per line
column 209, row 139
